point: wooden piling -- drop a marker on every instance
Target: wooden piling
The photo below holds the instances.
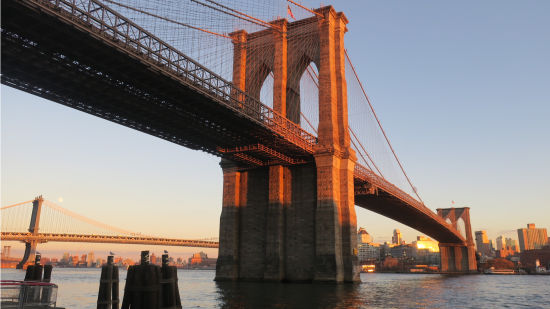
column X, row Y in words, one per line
column 142, row 289
column 47, row 273
column 46, row 293
column 34, row 272
column 107, row 297
column 169, row 285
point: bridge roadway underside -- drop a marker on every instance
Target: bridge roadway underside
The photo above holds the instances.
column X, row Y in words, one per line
column 394, row 208
column 47, row 57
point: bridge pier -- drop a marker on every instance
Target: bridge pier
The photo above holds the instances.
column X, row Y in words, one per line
column 281, row 224
column 458, row 258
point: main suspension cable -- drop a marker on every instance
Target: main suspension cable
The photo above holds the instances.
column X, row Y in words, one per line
column 303, row 7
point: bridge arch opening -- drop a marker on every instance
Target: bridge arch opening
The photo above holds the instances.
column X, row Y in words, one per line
column 303, row 95
column 461, row 227
column 266, row 91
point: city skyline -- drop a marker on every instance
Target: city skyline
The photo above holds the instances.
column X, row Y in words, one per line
column 452, row 131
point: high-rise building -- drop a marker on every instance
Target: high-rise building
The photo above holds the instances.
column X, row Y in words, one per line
column 512, row 243
column 482, row 243
column 363, row 237
column 396, row 239
column 501, row 243
column 90, row 259
column 532, row 238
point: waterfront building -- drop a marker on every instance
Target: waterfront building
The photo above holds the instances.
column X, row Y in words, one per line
column 529, row 258
column 396, row 238
column 505, row 252
column 402, row 251
column 201, row 259
column 426, row 250
column 369, row 251
column 532, row 238
column 484, row 246
column 363, row 237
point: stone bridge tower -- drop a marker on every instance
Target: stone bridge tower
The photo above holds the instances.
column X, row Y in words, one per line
column 293, row 223
column 458, row 257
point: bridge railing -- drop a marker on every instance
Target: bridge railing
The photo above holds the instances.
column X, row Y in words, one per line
column 120, row 30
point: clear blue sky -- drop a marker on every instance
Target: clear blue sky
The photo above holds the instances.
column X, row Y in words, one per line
column 462, row 88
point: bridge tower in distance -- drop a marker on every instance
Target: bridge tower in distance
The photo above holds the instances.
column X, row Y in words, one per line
column 30, row 246
column 459, row 258
column 293, row 222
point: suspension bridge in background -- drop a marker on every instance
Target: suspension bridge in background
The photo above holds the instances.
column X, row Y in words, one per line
column 39, row 221
column 299, row 140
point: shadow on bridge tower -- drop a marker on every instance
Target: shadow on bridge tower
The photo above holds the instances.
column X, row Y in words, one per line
column 30, row 246
column 458, row 258
column 293, row 222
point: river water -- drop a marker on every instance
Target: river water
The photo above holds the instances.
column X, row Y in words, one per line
column 78, row 289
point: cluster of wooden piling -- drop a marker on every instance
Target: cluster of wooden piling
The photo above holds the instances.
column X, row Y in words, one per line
column 34, row 272
column 107, row 297
column 39, row 273
column 147, row 286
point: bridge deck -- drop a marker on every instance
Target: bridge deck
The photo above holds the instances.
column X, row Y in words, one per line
column 133, row 240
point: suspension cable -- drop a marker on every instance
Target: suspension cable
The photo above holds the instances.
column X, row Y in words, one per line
column 303, row 7
column 167, row 19
column 87, row 220
column 381, row 128
column 366, row 152
column 314, row 79
column 361, row 154
column 243, row 14
column 307, row 120
column 234, row 15
column 10, row 206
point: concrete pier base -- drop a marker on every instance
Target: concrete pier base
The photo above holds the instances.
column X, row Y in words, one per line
column 274, row 228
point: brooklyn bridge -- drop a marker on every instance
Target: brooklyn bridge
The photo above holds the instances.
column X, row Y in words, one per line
column 278, row 100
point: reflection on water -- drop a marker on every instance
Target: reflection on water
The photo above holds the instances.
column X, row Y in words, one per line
column 78, row 289
column 254, row 295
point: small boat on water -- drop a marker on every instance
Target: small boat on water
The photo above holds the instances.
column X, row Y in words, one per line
column 493, row 271
column 27, row 295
